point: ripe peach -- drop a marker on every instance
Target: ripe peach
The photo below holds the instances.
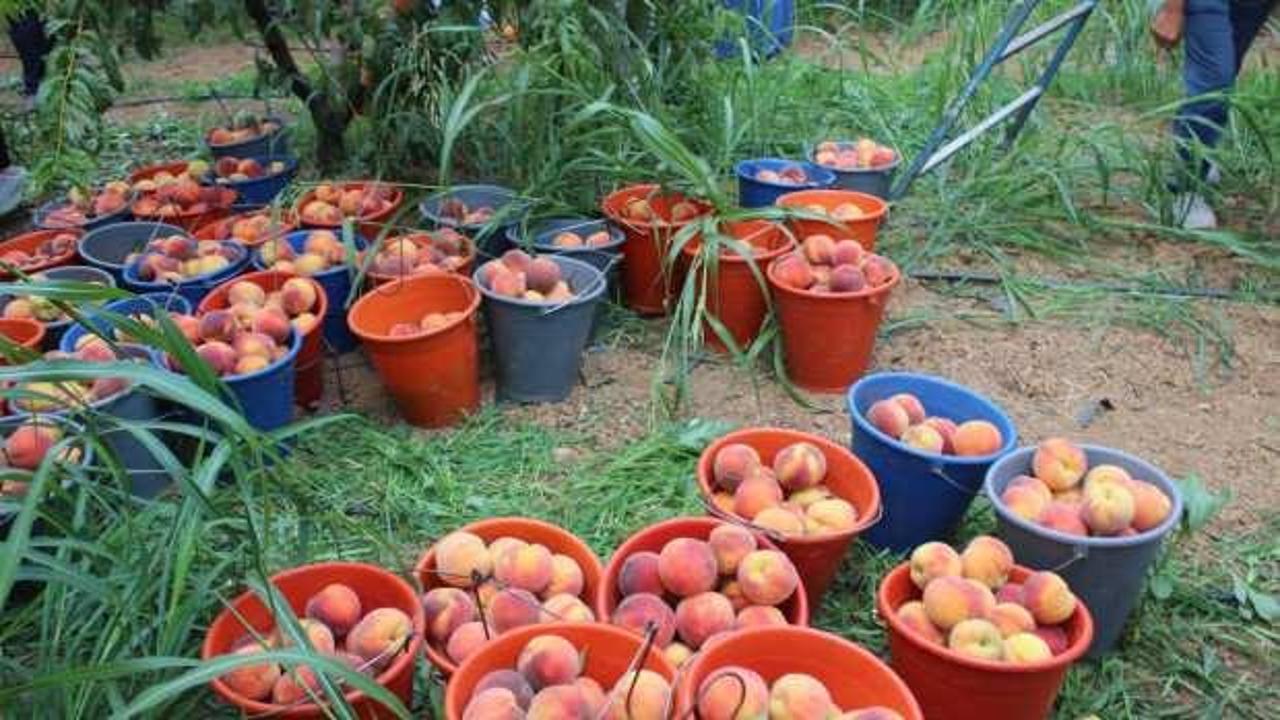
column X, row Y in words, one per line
column 846, row 279
column 1055, row 637
column 465, row 641
column 1150, row 505
column 1025, row 501
column 755, row 493
column 767, row 577
column 318, row 635
column 298, row 295
column 913, row 615
column 677, row 653
column 252, row 343
column 558, row 702
column 782, row 520
column 548, row 660
column 512, row 607
column 566, row 577
column 1059, row 463
column 1025, row 648
column 807, row 497
column 252, row 681
column 1107, row 473
column 273, row 323
column 220, row 356
column 461, row 558
column 1108, row 507
column 831, row 515
column 987, row 560
column 380, row 635
column 217, row 325
column 799, row 465
column 687, row 567
column 639, row 695
column 949, row 600
column 730, row 543
column 493, row 704
column 733, row 693
column 1011, row 619
column 889, row 418
column 977, row 638
column 543, row 274
column 509, row 680
column 637, row 612
column 732, row 463
column 934, row 560
column 847, row 252
column 976, row 437
column 337, row 606
column 501, row 545
column 1010, row 593
column 913, row 406
column 723, row 502
column 27, row 445
column 683, row 210
column 700, row 616
column 1048, row 598
column 639, row 574
column 732, row 590
column 923, row 438
column 1065, row 518
column 819, row 249
column 797, row 696
column 793, row 271
column 247, row 292
column 447, row 609
column 566, row 608
column 759, row 616
column 511, row 284
column 527, row 567
column 945, row 428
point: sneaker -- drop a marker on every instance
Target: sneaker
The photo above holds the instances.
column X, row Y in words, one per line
column 1192, row 212
column 1213, row 175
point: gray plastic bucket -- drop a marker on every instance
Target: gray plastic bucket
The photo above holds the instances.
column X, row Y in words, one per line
column 1107, row 573
column 490, row 238
column 541, row 234
column 537, row 347
column 107, row 247
column 872, row 181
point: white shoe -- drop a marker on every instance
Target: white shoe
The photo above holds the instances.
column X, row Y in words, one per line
column 1213, row 175
column 1192, row 212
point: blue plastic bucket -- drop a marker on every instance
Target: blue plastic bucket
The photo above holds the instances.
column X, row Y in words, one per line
column 107, row 247
column 1107, row 573
column 337, row 286
column 924, row 495
column 490, row 238
column 41, row 214
column 770, row 25
column 754, row 193
column 193, row 289
column 147, row 303
column 262, row 190
column 276, row 143
column 54, row 331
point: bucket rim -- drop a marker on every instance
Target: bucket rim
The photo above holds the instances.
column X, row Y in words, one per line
column 281, row 126
column 818, row 176
column 781, row 287
column 897, row 159
column 598, row 283
column 798, row 198
column 156, row 229
column 649, row 189
column 511, row 198
column 380, row 291
column 290, row 167
column 540, row 231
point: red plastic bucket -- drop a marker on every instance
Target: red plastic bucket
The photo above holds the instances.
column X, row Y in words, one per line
column 951, row 686
column 817, row 557
column 308, row 379
column 608, row 653
column 555, row 538
column 22, row 331
column 645, row 275
column 368, row 225
column 434, row 377
column 29, row 242
column 855, row 677
column 736, row 297
column 863, row 229
column 374, row 586
column 220, row 229
column 827, row 338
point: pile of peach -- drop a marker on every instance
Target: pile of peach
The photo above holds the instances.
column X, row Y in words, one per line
column 254, row 331
column 336, row 625
column 57, row 246
column 862, row 154
column 517, row 583
column 535, row 279
column 182, row 197
column 25, row 448
column 244, row 130
column 570, row 239
column 790, row 498
column 36, row 307
column 51, row 396
column 823, row 265
column 641, row 210
column 177, row 258
column 430, row 322
column 330, row 204
column 457, row 212
column 969, row 605
column 254, row 228
column 420, row 253
column 81, row 206
column 717, row 585
column 903, row 418
column 322, row 250
column 548, row 684
column 733, row 692
column 229, row 169
column 191, row 174
column 790, row 175
column 1065, row 494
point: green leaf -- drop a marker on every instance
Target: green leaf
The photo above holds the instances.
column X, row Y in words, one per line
column 1264, row 604
column 1199, row 503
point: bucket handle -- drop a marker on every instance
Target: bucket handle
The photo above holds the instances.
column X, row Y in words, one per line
column 1078, row 553
column 602, row 279
column 939, row 472
column 732, row 519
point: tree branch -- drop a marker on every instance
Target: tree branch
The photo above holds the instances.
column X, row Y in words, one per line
column 278, row 49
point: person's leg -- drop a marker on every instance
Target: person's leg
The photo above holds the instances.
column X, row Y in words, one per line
column 1247, row 20
column 1209, row 68
column 26, row 31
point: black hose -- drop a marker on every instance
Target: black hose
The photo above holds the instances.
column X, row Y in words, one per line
column 1163, row 290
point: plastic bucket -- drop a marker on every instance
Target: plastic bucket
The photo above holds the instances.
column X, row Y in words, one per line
column 608, row 654
column 491, row 237
column 925, row 495
column 755, row 193
column 308, row 377
column 41, row 215
column 147, row 172
column 367, row 225
column 537, row 346
column 195, row 288
column 374, row 586
column 263, row 190
column 555, row 538
column 950, row 686
column 863, row 229
column 817, row 558
column 854, row 675
column 221, row 229
column 420, row 240
column 21, row 331
column 337, row 285
column 275, row 143
column 654, row 537
column 142, row 304
column 189, row 220
column 29, row 242
column 108, row 247
column 644, row 272
column 55, row 329
column 434, row 377
column 827, row 338
column 1108, row 573
column 735, row 296
column 876, row 181
column 605, row 258
column 770, row 25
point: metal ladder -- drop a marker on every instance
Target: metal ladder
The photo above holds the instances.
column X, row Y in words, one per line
column 1008, row 44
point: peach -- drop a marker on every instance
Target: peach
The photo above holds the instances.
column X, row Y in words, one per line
column 804, row 498
column 732, row 463
column 462, row 559
column 976, row 638
column 249, row 364
column 759, row 616
column 566, row 577
column 974, row 438
column 950, row 600
column 723, row 502
column 543, row 274
column 1059, row 463
column 485, row 592
column 945, row 428
column 512, row 608
column 296, row 686
column 793, row 271
column 848, row 252
column 1108, row 507
column 797, row 696
column 527, row 567
column 245, row 291
column 447, row 609
column 846, row 279
column 756, row 493
column 548, row 660
column 889, row 418
column 874, row 712
column 1010, row 593
column 1065, row 518
column 509, row 680
column 1150, row 505
column 934, row 560
column 1048, row 598
column 987, row 560
column 767, row 577
column 217, row 325
column 592, row 695
column 799, row 466
column 700, row 616
column 733, row 693
column 465, row 641
column 1025, row 501
column 273, row 323
column 566, row 608
column 911, row 404
column 379, row 635
column 1106, row 473
column 687, row 567
column 318, row 635
column 501, row 545
column 639, row 574
column 642, row 695
column 819, row 249
column 677, row 653
column 1025, row 648
column 732, row 589
column 493, row 704
column 1011, row 619
column 511, row 284
column 252, row 681
column 832, row 515
column 923, row 438
column 337, row 606
column 637, row 612
column 298, row 295
column 1055, row 637
column 27, row 445
column 913, row 615
column 730, row 543
column 558, row 702
column 781, row 520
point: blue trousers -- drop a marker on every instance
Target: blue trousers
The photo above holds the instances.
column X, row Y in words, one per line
column 1217, row 35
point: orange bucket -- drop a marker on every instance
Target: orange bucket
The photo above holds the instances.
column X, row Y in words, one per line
column 863, row 229
column 951, row 686
column 855, row 677
column 22, row 331
column 308, row 379
column 434, row 377
column 645, row 276
column 736, row 297
column 555, row 538
column 220, row 229
column 816, row 557
column 29, row 242
column 375, row 587
column 368, row 225
column 827, row 338
column 607, row 651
